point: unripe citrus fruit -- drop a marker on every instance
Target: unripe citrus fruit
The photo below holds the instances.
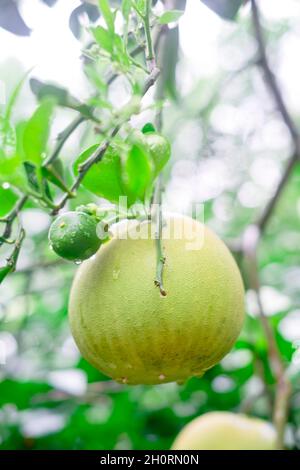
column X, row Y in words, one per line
column 158, row 146
column 226, row 431
column 73, row 236
column 160, row 150
column 127, row 330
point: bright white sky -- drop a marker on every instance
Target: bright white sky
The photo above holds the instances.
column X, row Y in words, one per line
column 54, row 51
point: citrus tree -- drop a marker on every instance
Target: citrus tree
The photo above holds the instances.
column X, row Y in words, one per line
column 169, row 314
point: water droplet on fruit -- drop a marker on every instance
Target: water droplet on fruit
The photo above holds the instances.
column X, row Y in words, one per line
column 116, row 273
column 180, row 382
column 112, row 365
column 199, row 374
column 78, row 261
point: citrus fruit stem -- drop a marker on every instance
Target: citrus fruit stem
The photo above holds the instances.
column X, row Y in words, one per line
column 158, row 241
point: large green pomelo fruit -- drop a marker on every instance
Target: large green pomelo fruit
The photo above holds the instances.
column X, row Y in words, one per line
column 226, row 431
column 126, row 329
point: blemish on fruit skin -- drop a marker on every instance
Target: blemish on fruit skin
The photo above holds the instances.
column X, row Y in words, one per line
column 62, row 225
column 161, row 377
column 124, row 380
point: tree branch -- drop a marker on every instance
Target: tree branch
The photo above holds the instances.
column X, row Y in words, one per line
column 68, row 131
column 62, row 138
column 283, row 387
column 270, row 77
column 274, row 89
column 97, row 156
column 254, row 232
column 10, row 218
column 268, row 211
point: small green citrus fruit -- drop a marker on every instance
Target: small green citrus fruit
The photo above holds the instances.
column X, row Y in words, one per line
column 160, row 150
column 73, row 236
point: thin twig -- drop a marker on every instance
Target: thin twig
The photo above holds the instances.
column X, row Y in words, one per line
column 150, row 50
column 62, row 138
column 269, row 209
column 283, row 388
column 270, row 77
column 272, row 85
column 92, row 394
column 153, row 60
column 66, row 133
column 10, row 218
column 160, row 257
column 97, row 156
column 13, row 258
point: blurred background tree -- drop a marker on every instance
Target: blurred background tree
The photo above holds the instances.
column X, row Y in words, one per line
column 233, row 128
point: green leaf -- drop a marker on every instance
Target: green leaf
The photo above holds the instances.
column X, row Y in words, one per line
column 141, row 6
column 103, row 178
column 103, row 38
column 4, row 272
column 170, row 16
column 123, row 171
column 95, row 78
column 137, row 173
column 227, row 9
column 8, row 199
column 8, row 166
column 46, row 188
column 61, row 96
column 32, row 176
column 107, row 14
column 20, row 129
column 11, row 166
column 14, row 96
column 7, row 136
column 113, row 44
column 126, row 7
column 36, row 132
column 54, row 174
column 120, row 53
column 148, row 128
